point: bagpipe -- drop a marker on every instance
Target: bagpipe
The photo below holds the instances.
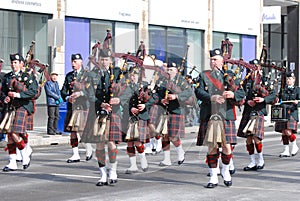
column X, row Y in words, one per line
column 29, row 74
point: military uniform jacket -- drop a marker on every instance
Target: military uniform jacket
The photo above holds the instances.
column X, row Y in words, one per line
column 205, row 89
column 27, row 95
column 132, row 93
column 181, row 88
column 250, row 94
column 291, row 94
column 68, row 88
column 106, row 90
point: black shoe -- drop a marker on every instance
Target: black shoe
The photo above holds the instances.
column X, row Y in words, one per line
column 19, row 161
column 180, row 162
column 73, row 161
column 260, row 167
column 232, row 171
column 228, row 183
column 89, row 157
column 145, row 169
column 208, row 174
column 26, row 166
column 100, row 183
column 58, row 133
column 113, row 181
column 7, row 169
column 211, row 185
column 254, row 168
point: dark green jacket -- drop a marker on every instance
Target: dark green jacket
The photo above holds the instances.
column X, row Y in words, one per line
column 205, row 89
column 26, row 95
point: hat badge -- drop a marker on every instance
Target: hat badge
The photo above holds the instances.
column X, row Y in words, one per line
column 292, row 74
column 17, row 57
column 217, row 52
column 77, row 56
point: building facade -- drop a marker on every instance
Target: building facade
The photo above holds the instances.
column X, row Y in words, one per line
column 170, row 30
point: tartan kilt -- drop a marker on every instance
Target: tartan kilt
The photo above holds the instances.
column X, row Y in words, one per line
column 115, row 132
column 19, row 124
column 260, row 130
column 291, row 124
column 143, row 130
column 155, row 112
column 88, row 132
column 68, row 118
column 29, row 123
column 176, row 126
column 229, row 128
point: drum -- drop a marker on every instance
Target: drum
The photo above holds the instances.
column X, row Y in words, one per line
column 280, row 113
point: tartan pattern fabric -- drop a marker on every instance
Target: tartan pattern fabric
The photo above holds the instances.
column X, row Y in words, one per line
column 143, row 128
column 153, row 114
column 68, row 118
column 291, row 124
column 112, row 155
column 19, row 124
column 285, row 140
column 176, row 127
column 230, row 132
column 12, row 148
column 115, row 132
column 260, row 126
column 225, row 158
column 100, row 155
column 212, row 160
column 165, row 143
column 29, row 124
column 74, row 142
column 250, row 148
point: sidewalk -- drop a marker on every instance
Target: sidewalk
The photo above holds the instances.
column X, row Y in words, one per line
column 39, row 137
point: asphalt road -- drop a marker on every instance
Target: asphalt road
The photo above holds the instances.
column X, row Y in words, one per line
column 50, row 178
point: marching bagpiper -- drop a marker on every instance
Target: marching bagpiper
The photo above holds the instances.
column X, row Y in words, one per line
column 290, row 97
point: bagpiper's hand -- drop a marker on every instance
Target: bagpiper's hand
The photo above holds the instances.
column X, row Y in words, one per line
column 165, row 101
column 258, row 99
column 134, row 111
column 7, row 99
column 251, row 103
column 76, row 94
column 218, row 99
column 71, row 99
column 295, row 102
column 13, row 94
column 106, row 107
column 141, row 107
column 114, row 101
column 228, row 94
column 172, row 96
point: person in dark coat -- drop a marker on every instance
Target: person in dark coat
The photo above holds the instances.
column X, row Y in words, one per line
column 289, row 129
column 75, row 92
column 259, row 93
column 217, row 117
column 18, row 91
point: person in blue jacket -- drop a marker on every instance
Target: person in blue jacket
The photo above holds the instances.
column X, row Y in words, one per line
column 54, row 99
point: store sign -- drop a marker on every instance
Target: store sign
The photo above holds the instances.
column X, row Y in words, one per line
column 130, row 11
column 271, row 15
column 41, row 6
column 179, row 13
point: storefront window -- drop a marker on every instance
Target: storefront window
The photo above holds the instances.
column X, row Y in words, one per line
column 171, row 44
column 18, row 30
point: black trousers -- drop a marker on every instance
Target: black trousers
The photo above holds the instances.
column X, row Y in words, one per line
column 53, row 116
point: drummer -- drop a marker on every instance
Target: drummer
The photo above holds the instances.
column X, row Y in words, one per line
column 290, row 96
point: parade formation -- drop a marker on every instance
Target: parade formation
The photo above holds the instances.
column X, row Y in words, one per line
column 144, row 103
